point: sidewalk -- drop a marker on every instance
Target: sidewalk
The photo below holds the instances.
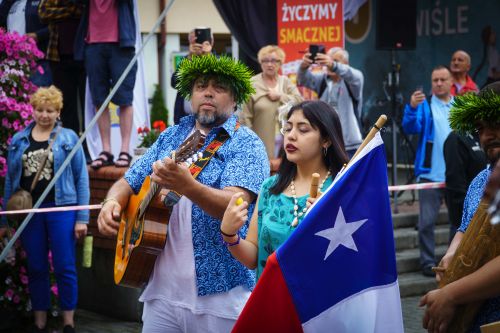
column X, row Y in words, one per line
column 90, row 322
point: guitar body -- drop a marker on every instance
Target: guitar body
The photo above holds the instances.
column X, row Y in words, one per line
column 139, row 240
column 143, row 227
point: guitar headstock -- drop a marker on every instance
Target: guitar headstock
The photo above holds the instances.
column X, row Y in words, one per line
column 190, row 146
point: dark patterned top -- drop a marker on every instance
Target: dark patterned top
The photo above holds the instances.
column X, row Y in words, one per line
column 31, row 160
column 490, row 310
column 241, row 161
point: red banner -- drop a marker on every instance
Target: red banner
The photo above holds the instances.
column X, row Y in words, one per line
column 305, row 22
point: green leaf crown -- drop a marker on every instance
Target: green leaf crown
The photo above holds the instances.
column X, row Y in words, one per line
column 226, row 70
column 469, row 109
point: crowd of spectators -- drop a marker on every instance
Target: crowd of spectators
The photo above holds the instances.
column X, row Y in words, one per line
column 95, row 40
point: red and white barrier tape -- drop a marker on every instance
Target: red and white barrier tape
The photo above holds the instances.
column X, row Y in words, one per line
column 421, row 186
column 49, row 209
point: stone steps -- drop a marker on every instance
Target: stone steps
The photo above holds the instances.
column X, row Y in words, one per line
column 408, row 260
column 403, row 220
column 411, row 280
column 407, row 238
column 415, row 284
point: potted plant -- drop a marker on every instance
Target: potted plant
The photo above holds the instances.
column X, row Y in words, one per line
column 159, row 121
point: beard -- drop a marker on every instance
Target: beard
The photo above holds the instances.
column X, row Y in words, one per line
column 492, row 151
column 494, row 159
column 211, row 120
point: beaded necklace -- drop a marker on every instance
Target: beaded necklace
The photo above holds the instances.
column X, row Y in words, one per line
column 297, row 215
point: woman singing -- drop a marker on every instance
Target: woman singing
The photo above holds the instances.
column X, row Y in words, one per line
column 313, row 144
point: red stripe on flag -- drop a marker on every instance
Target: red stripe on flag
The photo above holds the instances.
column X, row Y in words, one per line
column 270, row 308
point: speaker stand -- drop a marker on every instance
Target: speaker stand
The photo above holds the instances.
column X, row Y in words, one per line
column 393, row 83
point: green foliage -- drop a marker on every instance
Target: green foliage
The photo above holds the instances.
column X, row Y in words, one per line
column 470, row 108
column 158, row 109
column 228, row 71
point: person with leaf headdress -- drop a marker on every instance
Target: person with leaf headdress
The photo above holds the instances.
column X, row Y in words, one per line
column 196, row 284
column 470, row 113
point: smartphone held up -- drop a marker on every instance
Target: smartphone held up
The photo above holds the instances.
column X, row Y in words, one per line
column 202, row 34
column 314, row 49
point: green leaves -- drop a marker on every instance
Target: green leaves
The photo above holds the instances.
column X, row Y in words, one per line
column 470, row 108
column 226, row 70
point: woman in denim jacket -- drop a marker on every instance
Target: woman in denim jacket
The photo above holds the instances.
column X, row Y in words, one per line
column 55, row 231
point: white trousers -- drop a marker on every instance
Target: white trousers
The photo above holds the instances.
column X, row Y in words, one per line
column 162, row 317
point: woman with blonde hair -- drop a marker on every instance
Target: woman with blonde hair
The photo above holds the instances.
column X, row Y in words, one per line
column 272, row 90
column 54, row 231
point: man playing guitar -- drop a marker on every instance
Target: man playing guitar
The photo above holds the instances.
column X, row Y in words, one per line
column 196, row 284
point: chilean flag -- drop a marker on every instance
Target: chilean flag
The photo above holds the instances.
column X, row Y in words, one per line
column 337, row 271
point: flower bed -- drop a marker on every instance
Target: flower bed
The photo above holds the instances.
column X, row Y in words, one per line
column 18, row 60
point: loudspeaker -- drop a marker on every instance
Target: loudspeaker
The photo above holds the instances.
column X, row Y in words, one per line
column 396, row 25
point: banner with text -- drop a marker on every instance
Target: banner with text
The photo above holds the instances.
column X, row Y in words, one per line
column 308, row 22
column 305, row 22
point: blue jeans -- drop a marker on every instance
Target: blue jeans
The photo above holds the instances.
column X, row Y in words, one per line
column 54, row 231
column 430, row 201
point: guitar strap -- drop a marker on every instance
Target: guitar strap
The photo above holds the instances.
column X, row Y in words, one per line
column 196, row 167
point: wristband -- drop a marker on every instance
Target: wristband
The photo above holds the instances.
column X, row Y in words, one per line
column 107, row 200
column 229, row 244
column 227, row 235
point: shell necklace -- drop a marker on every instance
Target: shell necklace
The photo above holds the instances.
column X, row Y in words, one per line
column 296, row 214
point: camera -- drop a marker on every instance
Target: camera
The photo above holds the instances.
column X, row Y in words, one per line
column 203, row 34
column 315, row 49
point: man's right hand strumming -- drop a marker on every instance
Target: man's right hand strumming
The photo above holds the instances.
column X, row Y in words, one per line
column 108, row 220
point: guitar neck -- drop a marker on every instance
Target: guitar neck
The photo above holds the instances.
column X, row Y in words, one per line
column 153, row 191
column 188, row 147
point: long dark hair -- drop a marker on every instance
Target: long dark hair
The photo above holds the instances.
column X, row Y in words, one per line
column 324, row 118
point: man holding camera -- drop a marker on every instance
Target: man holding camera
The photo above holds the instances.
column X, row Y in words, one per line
column 341, row 86
column 201, row 42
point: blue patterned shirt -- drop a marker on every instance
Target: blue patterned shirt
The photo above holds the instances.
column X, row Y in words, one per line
column 473, row 197
column 241, row 161
column 490, row 310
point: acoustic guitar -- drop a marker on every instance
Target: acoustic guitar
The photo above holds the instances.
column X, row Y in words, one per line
column 143, row 226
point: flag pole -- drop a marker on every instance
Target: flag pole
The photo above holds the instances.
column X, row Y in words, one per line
column 375, row 128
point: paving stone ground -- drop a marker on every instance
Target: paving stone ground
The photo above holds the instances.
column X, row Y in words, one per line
column 89, row 322
column 412, row 315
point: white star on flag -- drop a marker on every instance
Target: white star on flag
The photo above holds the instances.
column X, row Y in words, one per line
column 341, row 233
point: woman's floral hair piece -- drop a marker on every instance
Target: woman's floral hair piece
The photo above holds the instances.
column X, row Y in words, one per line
column 283, row 114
